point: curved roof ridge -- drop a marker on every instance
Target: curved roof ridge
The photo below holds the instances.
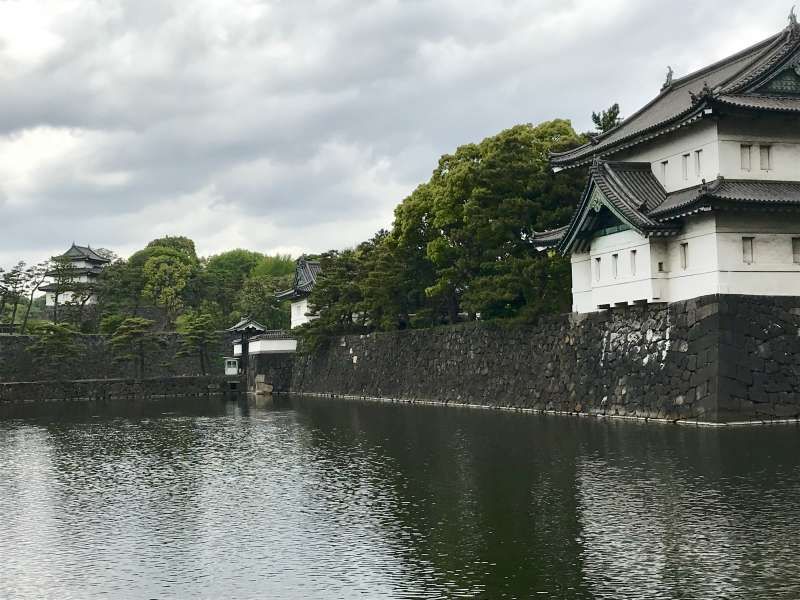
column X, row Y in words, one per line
column 676, row 102
column 683, row 81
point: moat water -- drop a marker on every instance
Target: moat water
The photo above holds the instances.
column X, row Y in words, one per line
column 327, row 499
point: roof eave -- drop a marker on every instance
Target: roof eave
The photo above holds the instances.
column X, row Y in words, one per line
column 688, row 117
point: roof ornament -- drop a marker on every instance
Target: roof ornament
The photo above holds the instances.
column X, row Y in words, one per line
column 793, row 17
column 668, row 81
column 705, row 94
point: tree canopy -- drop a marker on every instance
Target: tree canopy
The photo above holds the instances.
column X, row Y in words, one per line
column 461, row 245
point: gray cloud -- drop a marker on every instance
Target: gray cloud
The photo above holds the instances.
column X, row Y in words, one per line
column 300, row 125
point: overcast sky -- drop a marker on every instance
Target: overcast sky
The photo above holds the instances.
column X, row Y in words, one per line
column 298, row 125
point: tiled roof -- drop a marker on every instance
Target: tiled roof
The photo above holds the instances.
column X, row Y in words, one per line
column 630, row 190
column 305, row 278
column 684, row 99
column 274, row 334
column 550, row 238
column 83, row 253
column 777, row 103
column 766, row 193
column 248, row 323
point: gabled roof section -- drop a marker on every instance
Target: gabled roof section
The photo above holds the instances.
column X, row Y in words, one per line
column 730, row 81
column 248, row 324
column 83, row 253
column 550, row 238
column 305, row 278
column 628, row 190
column 736, row 192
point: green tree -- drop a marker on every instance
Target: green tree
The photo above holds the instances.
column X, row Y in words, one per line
column 336, row 300
column 34, row 277
column 181, row 245
column 119, row 288
column 165, row 277
column 14, row 287
column 257, row 300
column 606, row 119
column 63, row 274
column 55, row 349
column 223, row 277
column 487, row 201
column 278, row 265
column 133, row 340
column 199, row 337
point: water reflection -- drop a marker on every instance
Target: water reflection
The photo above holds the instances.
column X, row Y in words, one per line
column 326, row 499
column 699, row 514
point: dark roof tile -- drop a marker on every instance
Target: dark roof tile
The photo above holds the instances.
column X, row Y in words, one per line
column 679, row 102
column 736, row 191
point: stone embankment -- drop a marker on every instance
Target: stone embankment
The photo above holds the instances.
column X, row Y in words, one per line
column 94, row 390
column 714, row 359
column 93, row 359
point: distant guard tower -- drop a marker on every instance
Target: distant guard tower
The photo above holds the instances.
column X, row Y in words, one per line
column 86, row 266
column 305, row 278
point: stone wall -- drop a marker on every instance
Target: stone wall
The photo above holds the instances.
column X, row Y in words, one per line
column 711, row 359
column 759, row 357
column 94, row 390
column 277, row 369
column 94, row 360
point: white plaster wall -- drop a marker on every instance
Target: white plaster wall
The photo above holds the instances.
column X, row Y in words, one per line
column 299, row 313
column 700, row 136
column 267, row 347
column 627, row 286
column 581, row 283
column 701, row 275
column 779, row 132
column 715, row 262
column 272, row 346
column 773, row 271
column 64, row 298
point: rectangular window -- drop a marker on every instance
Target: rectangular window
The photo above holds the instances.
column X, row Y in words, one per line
column 796, row 250
column 746, row 151
column 684, row 256
column 664, row 172
column 661, row 267
column 698, row 163
column 685, row 167
column 766, row 157
column 597, row 269
column 633, row 263
column 615, row 265
column 747, row 250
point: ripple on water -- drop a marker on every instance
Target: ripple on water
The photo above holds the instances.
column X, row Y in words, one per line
column 321, row 499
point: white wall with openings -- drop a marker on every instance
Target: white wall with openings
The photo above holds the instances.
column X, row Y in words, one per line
column 767, row 148
column 681, row 159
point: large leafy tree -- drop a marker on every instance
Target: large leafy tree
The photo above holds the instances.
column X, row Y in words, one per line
column 166, row 275
column 257, row 299
column 488, row 200
column 223, row 277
